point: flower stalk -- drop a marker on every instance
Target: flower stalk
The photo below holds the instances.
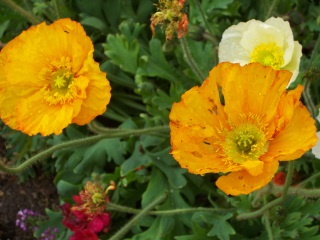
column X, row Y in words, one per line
column 261, row 211
column 30, row 17
column 80, row 142
column 122, row 232
column 119, row 208
column 188, row 57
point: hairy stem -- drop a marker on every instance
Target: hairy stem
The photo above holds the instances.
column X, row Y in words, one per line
column 123, row 231
column 187, row 55
column 306, row 181
column 204, row 18
column 271, row 8
column 119, row 208
column 80, row 142
column 30, row 17
column 307, row 97
column 259, row 212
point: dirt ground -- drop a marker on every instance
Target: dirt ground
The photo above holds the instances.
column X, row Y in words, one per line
column 35, row 194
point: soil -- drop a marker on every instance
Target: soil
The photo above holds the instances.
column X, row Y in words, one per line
column 35, row 194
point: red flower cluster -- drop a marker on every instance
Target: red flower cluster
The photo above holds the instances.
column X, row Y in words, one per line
column 88, row 217
column 83, row 225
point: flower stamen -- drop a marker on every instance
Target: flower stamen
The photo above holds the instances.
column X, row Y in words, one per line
column 245, row 142
column 268, row 54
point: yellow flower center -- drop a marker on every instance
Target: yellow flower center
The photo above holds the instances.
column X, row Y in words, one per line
column 268, row 54
column 98, row 198
column 59, row 88
column 246, row 142
column 62, row 78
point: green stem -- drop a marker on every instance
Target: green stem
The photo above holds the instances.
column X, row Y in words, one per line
column 306, row 181
column 114, row 116
column 30, row 17
column 123, row 231
column 80, row 142
column 204, row 18
column 268, row 225
column 307, row 96
column 211, row 38
column 96, row 128
column 133, row 104
column 56, row 8
column 187, row 55
column 119, row 208
column 270, row 10
column 307, row 193
column 275, row 202
column 266, row 221
column 314, row 52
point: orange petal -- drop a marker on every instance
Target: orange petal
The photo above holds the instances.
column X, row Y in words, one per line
column 253, row 167
column 253, row 88
column 242, row 182
column 199, row 106
column 97, row 93
column 34, row 115
column 194, row 154
column 296, row 138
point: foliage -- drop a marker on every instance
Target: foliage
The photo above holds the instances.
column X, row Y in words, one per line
column 148, row 74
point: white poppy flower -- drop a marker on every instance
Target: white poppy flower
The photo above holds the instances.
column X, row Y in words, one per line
column 270, row 43
column 316, row 149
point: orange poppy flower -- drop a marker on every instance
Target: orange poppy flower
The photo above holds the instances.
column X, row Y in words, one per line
column 48, row 79
column 241, row 121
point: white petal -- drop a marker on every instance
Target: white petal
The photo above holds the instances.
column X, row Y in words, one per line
column 316, row 149
column 293, row 65
column 259, row 33
column 230, row 49
column 288, row 44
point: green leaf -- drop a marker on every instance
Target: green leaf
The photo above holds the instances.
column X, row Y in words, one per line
column 99, row 153
column 54, row 221
column 159, row 230
column 199, row 233
column 199, row 52
column 163, row 101
column 156, row 65
column 156, row 187
column 174, row 174
column 123, row 49
column 95, row 23
column 112, row 10
column 137, row 159
column 69, row 176
column 66, row 190
column 3, row 27
column 221, row 228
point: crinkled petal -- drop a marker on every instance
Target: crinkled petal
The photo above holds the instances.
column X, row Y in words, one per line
column 258, row 89
column 97, row 93
column 294, row 140
column 34, row 116
column 242, row 182
column 29, row 67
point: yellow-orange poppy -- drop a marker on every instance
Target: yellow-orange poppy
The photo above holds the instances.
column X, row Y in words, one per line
column 241, row 122
column 49, row 79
